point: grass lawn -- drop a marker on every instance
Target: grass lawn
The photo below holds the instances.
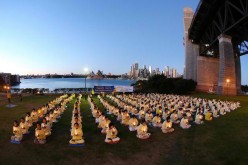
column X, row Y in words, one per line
column 222, row 141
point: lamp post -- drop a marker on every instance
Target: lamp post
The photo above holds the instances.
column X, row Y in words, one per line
column 86, row 72
column 227, row 84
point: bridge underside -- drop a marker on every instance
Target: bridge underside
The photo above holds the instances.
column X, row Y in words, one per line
column 215, row 17
column 219, row 32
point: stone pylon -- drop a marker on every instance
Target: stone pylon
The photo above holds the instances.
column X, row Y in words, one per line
column 191, row 50
column 227, row 83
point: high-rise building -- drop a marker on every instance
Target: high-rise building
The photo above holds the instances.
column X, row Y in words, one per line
column 166, row 71
column 157, row 71
column 150, row 69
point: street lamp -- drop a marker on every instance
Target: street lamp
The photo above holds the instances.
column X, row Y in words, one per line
column 86, row 70
column 227, row 83
column 8, row 94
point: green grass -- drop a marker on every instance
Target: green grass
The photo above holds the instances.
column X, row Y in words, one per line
column 221, row 141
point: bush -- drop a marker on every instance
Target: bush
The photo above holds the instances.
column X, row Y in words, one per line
column 162, row 84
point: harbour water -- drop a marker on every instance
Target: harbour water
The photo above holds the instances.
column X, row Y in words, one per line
column 55, row 83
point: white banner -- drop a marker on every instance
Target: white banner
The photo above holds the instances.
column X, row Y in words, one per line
column 123, row 88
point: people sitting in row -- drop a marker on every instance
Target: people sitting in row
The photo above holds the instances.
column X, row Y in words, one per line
column 76, row 124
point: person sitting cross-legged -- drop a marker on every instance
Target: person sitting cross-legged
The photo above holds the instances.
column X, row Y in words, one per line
column 156, row 121
column 111, row 135
column 77, row 135
column 142, row 131
column 24, row 126
column 133, row 123
column 208, row 116
column 167, row 126
column 185, row 122
column 17, row 132
column 40, row 136
column 199, row 118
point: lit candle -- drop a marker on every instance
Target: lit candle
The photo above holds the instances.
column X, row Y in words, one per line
column 76, row 132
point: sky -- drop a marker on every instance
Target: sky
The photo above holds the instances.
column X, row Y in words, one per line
column 64, row 36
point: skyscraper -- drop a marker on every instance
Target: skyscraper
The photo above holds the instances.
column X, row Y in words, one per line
column 150, row 69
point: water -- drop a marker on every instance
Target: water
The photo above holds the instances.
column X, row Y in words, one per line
column 54, row 83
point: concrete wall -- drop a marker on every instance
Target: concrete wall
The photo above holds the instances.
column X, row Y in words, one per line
column 207, row 73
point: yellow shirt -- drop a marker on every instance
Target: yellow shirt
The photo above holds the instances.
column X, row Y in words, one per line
column 76, row 134
column 208, row 116
column 159, row 111
column 133, row 122
column 111, row 133
column 142, row 129
column 40, row 134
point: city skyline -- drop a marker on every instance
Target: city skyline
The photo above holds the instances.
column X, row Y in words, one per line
column 67, row 36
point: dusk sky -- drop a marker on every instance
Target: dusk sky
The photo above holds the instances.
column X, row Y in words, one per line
column 64, row 36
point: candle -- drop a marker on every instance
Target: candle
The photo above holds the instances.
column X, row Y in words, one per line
column 76, row 132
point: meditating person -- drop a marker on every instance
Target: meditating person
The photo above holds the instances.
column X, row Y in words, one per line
column 76, row 120
column 167, row 126
column 125, row 118
column 98, row 115
column 166, row 114
column 222, row 110
column 105, row 125
column 111, row 136
column 142, row 130
column 77, row 135
column 149, row 117
column 208, row 116
column 156, row 121
column 174, row 118
column 24, row 126
column 215, row 112
column 34, row 115
column 17, row 132
column 46, row 127
column 40, row 136
column 199, row 118
column 28, row 119
column 133, row 123
column 185, row 122
column 159, row 110
column 142, row 113
column 119, row 116
column 101, row 120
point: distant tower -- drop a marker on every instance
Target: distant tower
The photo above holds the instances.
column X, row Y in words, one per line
column 150, row 69
column 136, row 70
column 191, row 50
